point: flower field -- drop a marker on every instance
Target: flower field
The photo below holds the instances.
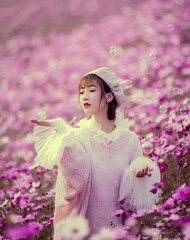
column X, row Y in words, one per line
column 43, row 54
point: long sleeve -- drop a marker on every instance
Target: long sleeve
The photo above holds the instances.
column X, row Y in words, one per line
column 137, row 190
column 136, row 148
column 51, row 141
column 62, row 145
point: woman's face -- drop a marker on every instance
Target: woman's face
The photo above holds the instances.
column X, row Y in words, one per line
column 91, row 94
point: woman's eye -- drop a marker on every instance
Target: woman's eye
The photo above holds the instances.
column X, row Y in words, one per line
column 90, row 91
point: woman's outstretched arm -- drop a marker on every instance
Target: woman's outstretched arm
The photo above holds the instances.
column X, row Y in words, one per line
column 40, row 123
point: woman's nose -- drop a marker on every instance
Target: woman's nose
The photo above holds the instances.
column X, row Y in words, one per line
column 85, row 96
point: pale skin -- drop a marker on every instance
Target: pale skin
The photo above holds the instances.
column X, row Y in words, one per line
column 90, row 95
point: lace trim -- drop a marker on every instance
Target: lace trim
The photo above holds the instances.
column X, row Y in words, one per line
column 100, row 136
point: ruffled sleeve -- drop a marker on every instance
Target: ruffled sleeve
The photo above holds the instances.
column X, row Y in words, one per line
column 51, row 141
column 137, row 190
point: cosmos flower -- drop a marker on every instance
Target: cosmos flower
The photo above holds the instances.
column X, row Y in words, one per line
column 160, row 184
column 182, row 193
column 10, row 164
column 118, row 212
column 177, row 152
column 155, row 209
column 172, row 217
column 20, row 232
column 166, row 212
column 139, row 213
column 35, row 226
column 182, row 163
column 168, row 204
column 159, row 224
column 163, row 166
column 75, row 228
column 154, row 190
column 174, row 210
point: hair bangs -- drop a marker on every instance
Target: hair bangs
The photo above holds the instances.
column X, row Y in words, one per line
column 84, row 82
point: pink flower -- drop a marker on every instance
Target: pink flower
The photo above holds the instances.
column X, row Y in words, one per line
column 20, row 232
column 163, row 166
column 174, row 210
column 182, row 193
column 118, row 212
column 182, row 164
column 177, row 152
column 139, row 213
column 166, row 212
column 172, row 217
column 159, row 224
column 155, row 208
column 160, row 184
column 10, row 164
column 121, row 201
column 154, row 190
column 168, row 204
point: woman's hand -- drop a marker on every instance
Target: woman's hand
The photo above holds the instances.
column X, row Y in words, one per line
column 40, row 123
column 143, row 172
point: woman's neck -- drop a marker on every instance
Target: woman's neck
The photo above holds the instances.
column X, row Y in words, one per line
column 106, row 125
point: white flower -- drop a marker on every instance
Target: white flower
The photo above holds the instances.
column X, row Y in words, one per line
column 104, row 234
column 131, row 222
column 109, row 233
column 75, row 228
column 153, row 232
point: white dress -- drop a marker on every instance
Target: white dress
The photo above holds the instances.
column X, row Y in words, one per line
column 95, row 170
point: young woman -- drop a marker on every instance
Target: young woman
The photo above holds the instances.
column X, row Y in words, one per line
column 100, row 162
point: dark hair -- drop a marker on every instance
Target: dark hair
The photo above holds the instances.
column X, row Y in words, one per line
column 104, row 89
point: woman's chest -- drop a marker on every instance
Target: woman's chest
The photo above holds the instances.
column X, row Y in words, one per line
column 110, row 158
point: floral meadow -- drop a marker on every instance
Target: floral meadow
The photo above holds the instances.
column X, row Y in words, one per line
column 147, row 45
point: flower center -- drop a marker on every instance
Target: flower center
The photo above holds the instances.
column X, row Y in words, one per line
column 75, row 230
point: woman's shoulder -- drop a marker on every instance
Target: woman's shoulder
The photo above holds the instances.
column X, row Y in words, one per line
column 130, row 133
column 82, row 122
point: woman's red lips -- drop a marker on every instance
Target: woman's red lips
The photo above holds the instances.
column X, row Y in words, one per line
column 86, row 105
